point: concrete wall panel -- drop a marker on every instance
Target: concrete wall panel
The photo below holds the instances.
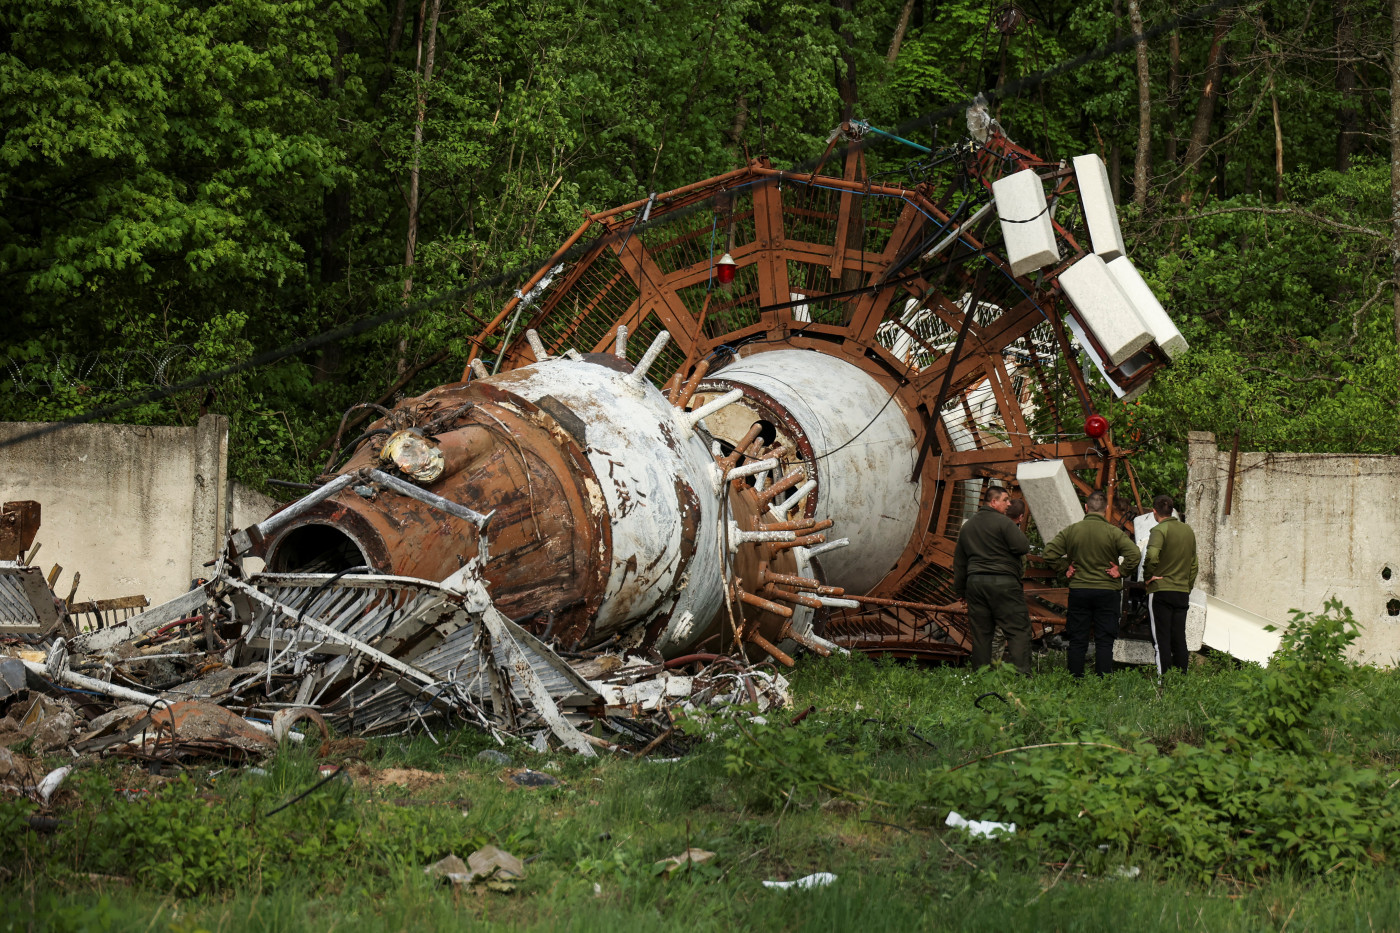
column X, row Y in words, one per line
column 1302, row 528
column 134, row 509
column 1159, row 323
column 1050, row 496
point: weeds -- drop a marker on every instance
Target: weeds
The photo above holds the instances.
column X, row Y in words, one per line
column 1244, row 794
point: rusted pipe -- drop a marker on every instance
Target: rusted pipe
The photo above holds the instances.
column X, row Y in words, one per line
column 788, row 596
column 778, row 655
column 806, row 641
column 1230, row 479
column 800, row 524
column 688, row 390
column 781, row 486
column 895, row 603
column 691, row 659
column 727, row 463
column 758, row 602
column 804, row 583
column 798, row 542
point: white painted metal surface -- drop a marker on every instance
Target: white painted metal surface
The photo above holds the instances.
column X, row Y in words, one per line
column 864, row 451
column 640, row 448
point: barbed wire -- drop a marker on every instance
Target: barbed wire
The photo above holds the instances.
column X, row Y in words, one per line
column 93, row 373
column 355, row 328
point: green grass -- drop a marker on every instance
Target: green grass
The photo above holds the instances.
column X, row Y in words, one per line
column 203, row 855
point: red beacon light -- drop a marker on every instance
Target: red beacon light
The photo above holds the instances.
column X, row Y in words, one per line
column 725, row 268
column 1096, row 426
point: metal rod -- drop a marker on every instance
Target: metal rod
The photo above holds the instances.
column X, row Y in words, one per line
column 861, row 124
column 688, row 391
column 532, row 337
column 749, row 469
column 638, row 375
column 1230, row 480
column 403, row 487
column 714, row 405
column 244, row 540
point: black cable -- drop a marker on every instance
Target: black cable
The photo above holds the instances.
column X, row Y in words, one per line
column 991, row 693
column 307, row 793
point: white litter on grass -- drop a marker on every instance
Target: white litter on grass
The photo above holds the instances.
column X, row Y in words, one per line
column 818, row 880
column 984, row 828
column 51, row 781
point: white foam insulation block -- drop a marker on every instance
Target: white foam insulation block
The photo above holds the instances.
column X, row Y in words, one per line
column 1239, row 632
column 1159, row 323
column 1025, row 222
column 1102, row 307
column 1049, row 495
column 1142, row 531
column 1100, row 212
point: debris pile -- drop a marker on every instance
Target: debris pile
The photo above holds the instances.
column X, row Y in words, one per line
column 228, row 669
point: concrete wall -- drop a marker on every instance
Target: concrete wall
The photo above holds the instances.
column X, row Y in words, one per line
column 1302, row 528
column 134, row 509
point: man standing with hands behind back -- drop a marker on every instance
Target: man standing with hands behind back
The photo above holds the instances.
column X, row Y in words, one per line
column 1170, row 572
column 1089, row 552
column 987, row 573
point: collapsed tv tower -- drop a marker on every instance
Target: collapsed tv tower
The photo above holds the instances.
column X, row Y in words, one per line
column 721, row 425
column 754, row 410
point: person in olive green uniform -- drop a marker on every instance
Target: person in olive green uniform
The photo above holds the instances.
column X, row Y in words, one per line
column 987, row 573
column 1170, row 572
column 1089, row 553
column 1016, row 511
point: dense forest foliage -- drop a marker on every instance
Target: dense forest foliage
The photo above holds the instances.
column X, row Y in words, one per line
column 185, row 185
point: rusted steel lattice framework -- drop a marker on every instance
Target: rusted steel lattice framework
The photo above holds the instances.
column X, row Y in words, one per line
column 907, row 283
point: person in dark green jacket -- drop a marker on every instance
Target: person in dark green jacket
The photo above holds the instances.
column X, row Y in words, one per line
column 1170, row 572
column 1092, row 553
column 987, row 573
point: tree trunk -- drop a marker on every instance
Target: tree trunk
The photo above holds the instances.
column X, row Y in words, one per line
column 1278, row 148
column 1115, row 169
column 846, row 71
column 900, row 28
column 425, row 78
column 1395, row 160
column 1173, row 88
column 1205, row 108
column 1347, row 117
column 1142, row 165
column 391, row 48
column 741, row 121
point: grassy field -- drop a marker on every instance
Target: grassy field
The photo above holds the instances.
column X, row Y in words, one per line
column 860, row 789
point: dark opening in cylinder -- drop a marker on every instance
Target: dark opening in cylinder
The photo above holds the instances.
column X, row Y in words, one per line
column 315, row 549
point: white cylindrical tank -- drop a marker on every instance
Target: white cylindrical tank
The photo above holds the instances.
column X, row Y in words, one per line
column 849, row 434
column 659, row 483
